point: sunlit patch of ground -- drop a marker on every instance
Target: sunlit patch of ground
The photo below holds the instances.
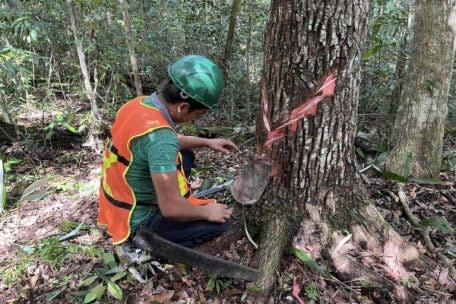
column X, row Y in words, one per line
column 28, row 277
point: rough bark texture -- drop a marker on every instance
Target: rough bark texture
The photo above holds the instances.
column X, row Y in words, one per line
column 131, row 47
column 316, row 191
column 420, row 120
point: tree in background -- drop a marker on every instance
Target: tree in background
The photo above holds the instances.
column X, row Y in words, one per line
column 228, row 50
column 131, row 47
column 417, row 135
column 90, row 92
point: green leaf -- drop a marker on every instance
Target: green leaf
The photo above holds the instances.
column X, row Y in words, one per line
column 53, row 294
column 109, row 260
column 114, row 290
column 371, row 52
column 207, row 183
column 59, row 117
column 393, row 176
column 10, row 162
column 382, row 148
column 311, row 291
column 217, row 286
column 118, row 276
column 380, row 159
column 360, row 152
column 34, row 196
column 88, row 281
column 211, row 284
column 309, row 261
column 70, row 128
column 95, row 293
column 72, row 233
column 27, row 194
column 438, row 222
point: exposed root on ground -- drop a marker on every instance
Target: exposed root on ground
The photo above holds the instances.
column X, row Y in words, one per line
column 375, row 257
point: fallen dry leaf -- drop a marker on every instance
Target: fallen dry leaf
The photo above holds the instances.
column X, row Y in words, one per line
column 443, row 277
column 163, row 297
column 296, row 291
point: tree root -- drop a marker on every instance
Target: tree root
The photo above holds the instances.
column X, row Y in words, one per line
column 425, row 233
column 275, row 235
column 375, row 257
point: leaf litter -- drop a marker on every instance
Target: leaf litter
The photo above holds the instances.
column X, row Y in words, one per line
column 31, row 221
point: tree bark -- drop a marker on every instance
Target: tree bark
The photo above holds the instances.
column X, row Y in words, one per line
column 405, row 31
column 131, row 47
column 419, row 123
column 316, row 193
column 228, row 50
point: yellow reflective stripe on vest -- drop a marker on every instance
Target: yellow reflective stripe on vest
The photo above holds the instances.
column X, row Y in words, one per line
column 184, row 188
column 107, row 163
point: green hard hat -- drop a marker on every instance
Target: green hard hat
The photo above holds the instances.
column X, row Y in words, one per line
column 199, row 78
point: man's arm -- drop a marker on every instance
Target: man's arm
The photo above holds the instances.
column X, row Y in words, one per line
column 217, row 144
column 172, row 205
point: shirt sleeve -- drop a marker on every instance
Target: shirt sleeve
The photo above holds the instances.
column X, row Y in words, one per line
column 160, row 148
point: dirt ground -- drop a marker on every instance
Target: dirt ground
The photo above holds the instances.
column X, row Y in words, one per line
column 37, row 268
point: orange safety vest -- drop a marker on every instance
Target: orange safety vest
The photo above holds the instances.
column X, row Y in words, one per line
column 116, row 198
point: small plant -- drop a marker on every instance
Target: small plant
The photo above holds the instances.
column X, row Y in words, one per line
column 60, row 120
column 103, row 282
column 11, row 275
column 311, row 291
column 51, row 251
column 410, row 281
column 217, row 284
column 439, row 223
column 9, row 163
column 309, row 261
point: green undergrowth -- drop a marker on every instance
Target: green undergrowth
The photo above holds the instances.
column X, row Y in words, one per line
column 51, row 251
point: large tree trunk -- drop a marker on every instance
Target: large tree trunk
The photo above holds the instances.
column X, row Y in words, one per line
column 131, row 47
column 316, row 193
column 420, row 119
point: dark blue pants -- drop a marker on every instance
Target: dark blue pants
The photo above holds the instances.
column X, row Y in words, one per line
column 187, row 234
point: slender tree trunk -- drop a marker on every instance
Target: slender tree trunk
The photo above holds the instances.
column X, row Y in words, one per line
column 90, row 91
column 131, row 47
column 419, row 125
column 401, row 64
column 6, row 115
column 316, row 193
column 82, row 59
column 228, row 50
column 248, row 59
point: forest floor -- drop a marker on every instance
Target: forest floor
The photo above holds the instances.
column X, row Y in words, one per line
column 38, row 267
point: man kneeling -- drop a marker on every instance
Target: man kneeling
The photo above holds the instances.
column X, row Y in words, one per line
column 146, row 163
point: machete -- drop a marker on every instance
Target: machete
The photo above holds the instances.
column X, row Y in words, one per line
column 224, row 186
column 160, row 247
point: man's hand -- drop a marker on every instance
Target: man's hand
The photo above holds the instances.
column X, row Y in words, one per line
column 217, row 212
column 222, row 145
